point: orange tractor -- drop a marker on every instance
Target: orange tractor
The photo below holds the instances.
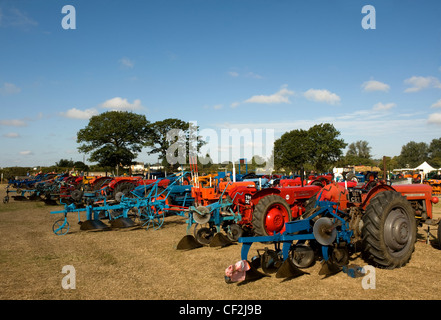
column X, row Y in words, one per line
column 434, row 180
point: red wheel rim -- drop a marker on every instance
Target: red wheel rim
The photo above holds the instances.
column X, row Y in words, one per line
column 275, row 219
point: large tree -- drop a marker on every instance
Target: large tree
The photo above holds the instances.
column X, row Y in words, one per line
column 291, row 150
column 114, row 138
column 326, row 148
column 435, row 152
column 359, row 152
column 413, row 154
column 317, row 147
column 360, row 149
column 174, row 140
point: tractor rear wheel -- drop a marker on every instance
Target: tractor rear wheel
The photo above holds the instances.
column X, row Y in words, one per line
column 389, row 230
column 124, row 188
column 270, row 215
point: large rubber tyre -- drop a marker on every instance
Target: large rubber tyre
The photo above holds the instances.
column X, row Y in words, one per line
column 389, row 230
column 100, row 184
column 274, row 209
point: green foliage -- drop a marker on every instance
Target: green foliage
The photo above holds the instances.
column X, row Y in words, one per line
column 317, row 148
column 360, row 149
column 413, row 154
column 435, row 153
column 12, row 172
column 64, row 163
column 326, row 148
column 291, row 150
column 114, row 137
column 171, row 138
column 359, row 153
column 158, row 141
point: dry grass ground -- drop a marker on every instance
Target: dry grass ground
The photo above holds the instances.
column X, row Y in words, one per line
column 140, row 264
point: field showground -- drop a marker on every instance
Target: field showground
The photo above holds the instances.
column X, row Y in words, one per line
column 143, row 264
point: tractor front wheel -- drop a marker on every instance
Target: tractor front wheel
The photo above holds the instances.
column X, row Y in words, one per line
column 389, row 230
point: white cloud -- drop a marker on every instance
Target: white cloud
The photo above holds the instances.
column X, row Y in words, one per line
column 322, row 96
column 352, row 125
column 75, row 113
column 120, row 104
column 381, row 106
column 374, row 85
column 420, row 83
column 115, row 104
column 16, row 18
column 435, row 118
column 13, row 123
column 127, row 63
column 249, row 74
column 9, row 88
column 235, row 104
column 436, row 104
column 215, row 107
column 253, row 75
column 281, row 96
column 26, row 153
column 11, row 135
column 385, row 134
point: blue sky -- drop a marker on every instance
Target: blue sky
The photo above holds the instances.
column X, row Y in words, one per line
column 245, row 65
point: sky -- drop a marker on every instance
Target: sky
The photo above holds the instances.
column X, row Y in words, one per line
column 256, row 68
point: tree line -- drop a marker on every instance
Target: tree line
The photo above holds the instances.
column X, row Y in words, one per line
column 115, row 138
column 320, row 149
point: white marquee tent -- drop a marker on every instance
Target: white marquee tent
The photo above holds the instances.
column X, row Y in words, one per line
column 425, row 167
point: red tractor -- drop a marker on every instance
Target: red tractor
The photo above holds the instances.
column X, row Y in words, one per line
column 321, row 181
column 381, row 223
column 257, row 211
column 262, row 211
column 265, row 212
column 384, row 219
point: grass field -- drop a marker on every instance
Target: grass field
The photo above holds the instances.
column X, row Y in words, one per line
column 140, row 264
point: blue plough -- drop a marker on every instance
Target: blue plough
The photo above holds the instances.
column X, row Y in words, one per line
column 328, row 234
column 150, row 203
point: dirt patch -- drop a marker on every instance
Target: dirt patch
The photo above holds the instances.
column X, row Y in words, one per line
column 140, row 264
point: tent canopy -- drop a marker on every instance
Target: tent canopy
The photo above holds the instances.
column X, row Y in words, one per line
column 425, row 167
